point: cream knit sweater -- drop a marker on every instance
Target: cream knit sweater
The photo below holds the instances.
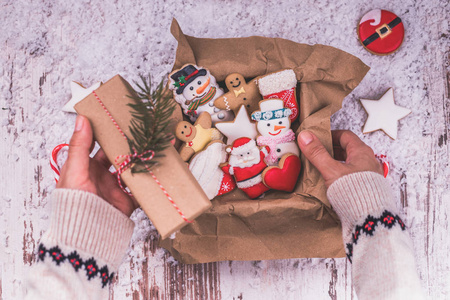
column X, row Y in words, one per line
column 83, row 247
column 88, row 238
column 377, row 244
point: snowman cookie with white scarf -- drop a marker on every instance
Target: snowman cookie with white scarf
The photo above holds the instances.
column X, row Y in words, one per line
column 274, row 127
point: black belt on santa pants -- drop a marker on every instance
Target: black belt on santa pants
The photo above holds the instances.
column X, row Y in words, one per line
column 382, row 31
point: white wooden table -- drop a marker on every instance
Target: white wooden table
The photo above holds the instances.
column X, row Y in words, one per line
column 45, row 45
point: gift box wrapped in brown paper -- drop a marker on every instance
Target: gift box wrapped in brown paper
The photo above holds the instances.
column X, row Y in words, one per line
column 186, row 193
column 281, row 225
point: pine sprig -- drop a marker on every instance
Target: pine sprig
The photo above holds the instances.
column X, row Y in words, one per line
column 151, row 124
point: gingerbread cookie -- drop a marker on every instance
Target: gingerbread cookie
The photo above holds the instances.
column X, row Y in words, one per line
column 281, row 85
column 196, row 136
column 381, row 32
column 274, row 127
column 239, row 93
column 195, row 89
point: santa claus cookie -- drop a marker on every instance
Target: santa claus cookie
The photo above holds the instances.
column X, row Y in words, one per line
column 205, row 168
column 196, row 136
column 281, row 85
column 274, row 126
column 195, row 89
column 239, row 93
column 246, row 163
column 381, row 32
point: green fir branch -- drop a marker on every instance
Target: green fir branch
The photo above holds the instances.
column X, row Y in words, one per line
column 151, row 126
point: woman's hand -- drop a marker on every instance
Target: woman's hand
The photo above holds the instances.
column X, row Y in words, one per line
column 80, row 172
column 351, row 155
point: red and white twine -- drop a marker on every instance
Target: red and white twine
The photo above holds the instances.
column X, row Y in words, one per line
column 127, row 163
column 123, row 166
column 54, row 161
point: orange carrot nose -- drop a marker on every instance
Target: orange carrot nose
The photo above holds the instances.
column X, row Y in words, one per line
column 203, row 87
column 279, row 127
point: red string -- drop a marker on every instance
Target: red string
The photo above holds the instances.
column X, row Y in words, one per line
column 126, row 163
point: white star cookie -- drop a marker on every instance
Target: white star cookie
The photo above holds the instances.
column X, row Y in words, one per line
column 383, row 114
column 79, row 92
column 240, row 127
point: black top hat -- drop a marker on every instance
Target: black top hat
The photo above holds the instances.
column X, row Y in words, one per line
column 185, row 76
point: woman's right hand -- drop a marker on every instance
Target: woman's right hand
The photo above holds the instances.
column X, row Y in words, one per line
column 351, row 155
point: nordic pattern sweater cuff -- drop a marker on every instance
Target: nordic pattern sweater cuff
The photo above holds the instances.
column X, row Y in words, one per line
column 358, row 195
column 84, row 221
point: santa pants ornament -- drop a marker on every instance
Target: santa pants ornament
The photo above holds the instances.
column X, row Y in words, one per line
column 281, row 85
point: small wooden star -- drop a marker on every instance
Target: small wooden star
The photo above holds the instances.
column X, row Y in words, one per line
column 384, row 114
column 79, row 92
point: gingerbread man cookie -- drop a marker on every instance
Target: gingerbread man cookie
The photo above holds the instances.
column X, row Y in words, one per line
column 196, row 136
column 239, row 93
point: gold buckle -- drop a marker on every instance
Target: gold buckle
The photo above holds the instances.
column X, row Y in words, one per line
column 385, row 34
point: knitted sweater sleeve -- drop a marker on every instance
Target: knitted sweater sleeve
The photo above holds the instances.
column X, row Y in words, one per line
column 80, row 252
column 376, row 242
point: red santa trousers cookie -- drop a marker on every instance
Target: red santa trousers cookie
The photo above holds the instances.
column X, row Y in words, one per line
column 381, row 32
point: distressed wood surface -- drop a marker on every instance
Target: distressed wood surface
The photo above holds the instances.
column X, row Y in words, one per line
column 31, row 127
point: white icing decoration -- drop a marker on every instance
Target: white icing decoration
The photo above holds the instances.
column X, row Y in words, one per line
column 225, row 100
column 374, row 15
column 267, row 115
column 279, row 114
column 256, row 115
column 384, row 114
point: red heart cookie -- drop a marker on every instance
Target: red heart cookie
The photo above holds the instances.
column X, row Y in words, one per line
column 284, row 177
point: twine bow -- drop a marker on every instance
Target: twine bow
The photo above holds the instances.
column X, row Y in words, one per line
column 127, row 163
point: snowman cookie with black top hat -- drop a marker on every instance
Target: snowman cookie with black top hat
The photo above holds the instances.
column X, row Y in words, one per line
column 195, row 89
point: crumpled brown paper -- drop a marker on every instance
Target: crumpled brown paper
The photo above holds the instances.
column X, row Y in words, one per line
column 281, row 225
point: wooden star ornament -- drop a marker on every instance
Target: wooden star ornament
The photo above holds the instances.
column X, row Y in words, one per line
column 384, row 114
column 79, row 92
